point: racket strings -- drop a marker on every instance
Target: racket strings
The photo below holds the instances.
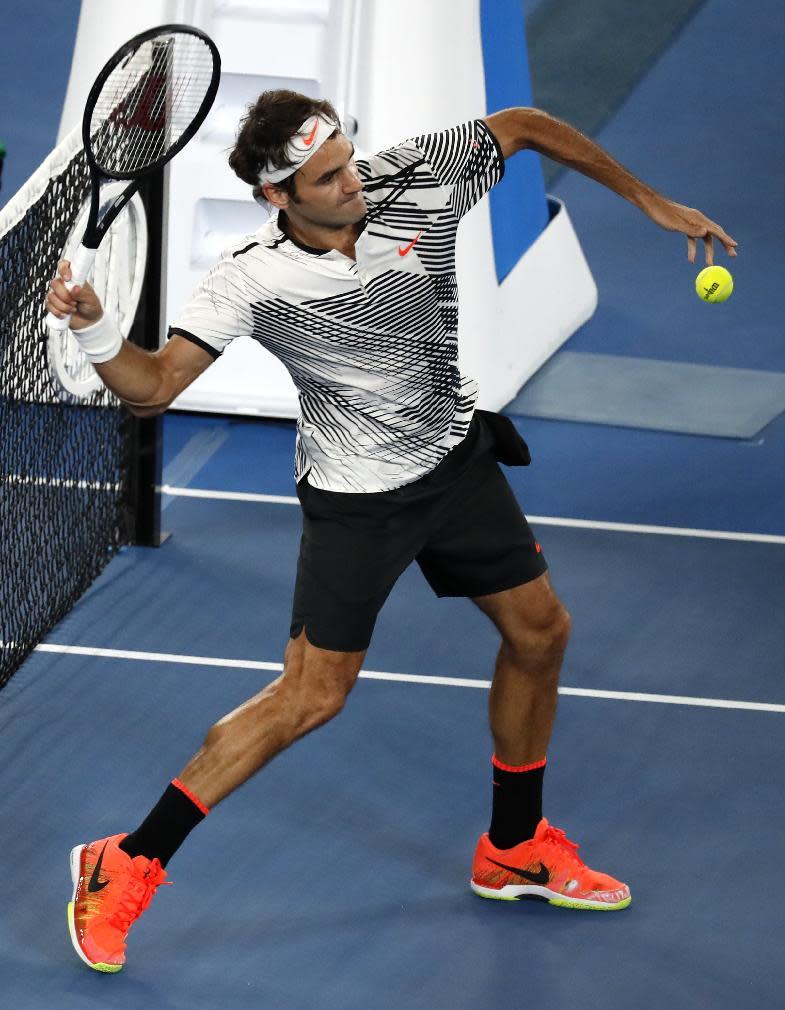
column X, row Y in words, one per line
column 132, row 141
column 149, row 101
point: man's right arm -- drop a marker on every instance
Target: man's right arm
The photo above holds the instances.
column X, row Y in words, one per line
column 145, row 381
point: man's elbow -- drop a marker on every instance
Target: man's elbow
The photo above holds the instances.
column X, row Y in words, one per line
column 517, row 129
column 145, row 409
column 531, row 124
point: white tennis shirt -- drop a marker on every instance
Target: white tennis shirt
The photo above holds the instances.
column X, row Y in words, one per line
column 371, row 345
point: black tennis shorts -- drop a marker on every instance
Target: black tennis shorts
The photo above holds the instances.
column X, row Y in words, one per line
column 461, row 523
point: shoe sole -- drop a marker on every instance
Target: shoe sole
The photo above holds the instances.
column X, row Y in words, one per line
column 76, row 855
column 517, row 892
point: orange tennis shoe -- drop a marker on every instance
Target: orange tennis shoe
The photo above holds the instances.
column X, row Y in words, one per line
column 111, row 890
column 546, row 867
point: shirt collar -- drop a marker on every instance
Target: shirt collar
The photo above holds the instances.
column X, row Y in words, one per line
column 277, row 224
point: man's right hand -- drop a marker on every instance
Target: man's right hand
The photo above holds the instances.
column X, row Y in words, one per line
column 81, row 302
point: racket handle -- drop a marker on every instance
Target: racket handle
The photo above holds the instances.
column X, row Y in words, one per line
column 81, row 265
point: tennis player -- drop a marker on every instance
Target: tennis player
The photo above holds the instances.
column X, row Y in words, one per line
column 351, row 284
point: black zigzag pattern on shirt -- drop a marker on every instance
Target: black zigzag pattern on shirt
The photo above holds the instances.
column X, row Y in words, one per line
column 394, row 305
column 372, row 354
column 375, row 363
column 466, row 158
column 446, row 292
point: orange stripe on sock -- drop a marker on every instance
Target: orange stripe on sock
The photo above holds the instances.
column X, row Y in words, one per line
column 518, row 768
column 194, row 799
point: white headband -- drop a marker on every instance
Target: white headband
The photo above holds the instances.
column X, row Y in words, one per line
column 303, row 145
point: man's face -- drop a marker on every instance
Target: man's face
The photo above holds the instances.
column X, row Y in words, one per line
column 328, row 188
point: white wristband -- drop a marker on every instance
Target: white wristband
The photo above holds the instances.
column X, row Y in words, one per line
column 101, row 341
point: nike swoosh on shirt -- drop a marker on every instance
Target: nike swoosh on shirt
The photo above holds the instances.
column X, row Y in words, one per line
column 403, row 250
column 94, row 884
column 542, row 876
column 311, row 136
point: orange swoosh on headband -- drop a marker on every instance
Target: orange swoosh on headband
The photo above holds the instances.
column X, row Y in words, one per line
column 403, row 250
column 312, row 135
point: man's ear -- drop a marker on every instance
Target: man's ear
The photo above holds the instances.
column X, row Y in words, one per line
column 275, row 196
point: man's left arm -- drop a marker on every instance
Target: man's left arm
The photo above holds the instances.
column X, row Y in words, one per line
column 532, row 129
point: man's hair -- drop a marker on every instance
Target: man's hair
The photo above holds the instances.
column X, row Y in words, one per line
column 267, row 128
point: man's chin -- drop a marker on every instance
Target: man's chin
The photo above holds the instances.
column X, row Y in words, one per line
column 349, row 212
column 355, row 210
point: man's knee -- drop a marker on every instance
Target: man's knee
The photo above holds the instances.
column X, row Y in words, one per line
column 542, row 638
column 317, row 708
column 317, row 682
column 312, row 689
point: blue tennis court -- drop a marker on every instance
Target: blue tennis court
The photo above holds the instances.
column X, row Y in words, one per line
column 337, row 879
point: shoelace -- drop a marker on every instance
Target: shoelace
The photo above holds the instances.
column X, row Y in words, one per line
column 138, row 894
column 558, row 837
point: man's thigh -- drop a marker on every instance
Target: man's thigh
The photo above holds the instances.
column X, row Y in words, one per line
column 353, row 550
column 482, row 543
column 531, row 607
column 317, row 672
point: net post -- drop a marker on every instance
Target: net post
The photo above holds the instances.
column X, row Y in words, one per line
column 147, row 432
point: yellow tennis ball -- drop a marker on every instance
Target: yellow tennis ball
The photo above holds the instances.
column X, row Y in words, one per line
column 714, row 284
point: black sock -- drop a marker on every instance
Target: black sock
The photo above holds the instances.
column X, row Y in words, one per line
column 517, row 802
column 167, row 825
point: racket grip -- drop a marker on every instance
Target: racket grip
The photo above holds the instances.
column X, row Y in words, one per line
column 81, row 265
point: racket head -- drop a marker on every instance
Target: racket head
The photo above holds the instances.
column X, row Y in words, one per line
column 149, row 100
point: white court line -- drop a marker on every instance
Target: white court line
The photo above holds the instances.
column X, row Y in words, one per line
column 195, row 492
column 582, row 524
column 671, row 531
column 407, row 678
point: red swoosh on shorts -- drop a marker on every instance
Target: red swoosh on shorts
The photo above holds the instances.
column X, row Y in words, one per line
column 403, row 250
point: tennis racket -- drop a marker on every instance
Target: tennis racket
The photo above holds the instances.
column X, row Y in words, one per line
column 146, row 104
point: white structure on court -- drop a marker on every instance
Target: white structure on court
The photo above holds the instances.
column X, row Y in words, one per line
column 395, row 82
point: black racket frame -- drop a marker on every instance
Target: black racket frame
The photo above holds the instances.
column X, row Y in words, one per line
column 95, row 231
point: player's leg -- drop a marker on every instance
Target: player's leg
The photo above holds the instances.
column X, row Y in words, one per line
column 311, row 690
column 534, row 626
column 115, row 878
column 522, row 855
column 483, row 548
column 354, row 547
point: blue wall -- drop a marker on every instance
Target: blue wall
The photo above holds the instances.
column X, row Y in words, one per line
column 35, row 60
column 519, row 211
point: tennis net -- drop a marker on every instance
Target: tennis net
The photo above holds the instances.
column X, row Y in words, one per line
column 66, row 444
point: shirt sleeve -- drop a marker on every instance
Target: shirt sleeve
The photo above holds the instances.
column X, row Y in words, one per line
column 466, row 159
column 218, row 310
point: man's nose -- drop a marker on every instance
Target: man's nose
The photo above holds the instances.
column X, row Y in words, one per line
column 352, row 183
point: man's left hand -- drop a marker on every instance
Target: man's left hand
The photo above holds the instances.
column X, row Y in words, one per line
column 690, row 222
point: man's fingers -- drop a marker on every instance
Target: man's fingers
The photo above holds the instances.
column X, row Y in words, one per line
column 713, row 230
column 59, row 305
column 60, row 300
column 57, row 309
column 64, row 269
column 58, row 288
column 693, row 225
column 708, row 231
column 729, row 243
column 722, row 235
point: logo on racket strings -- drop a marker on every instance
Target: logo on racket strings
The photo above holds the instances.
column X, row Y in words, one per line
column 145, row 111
